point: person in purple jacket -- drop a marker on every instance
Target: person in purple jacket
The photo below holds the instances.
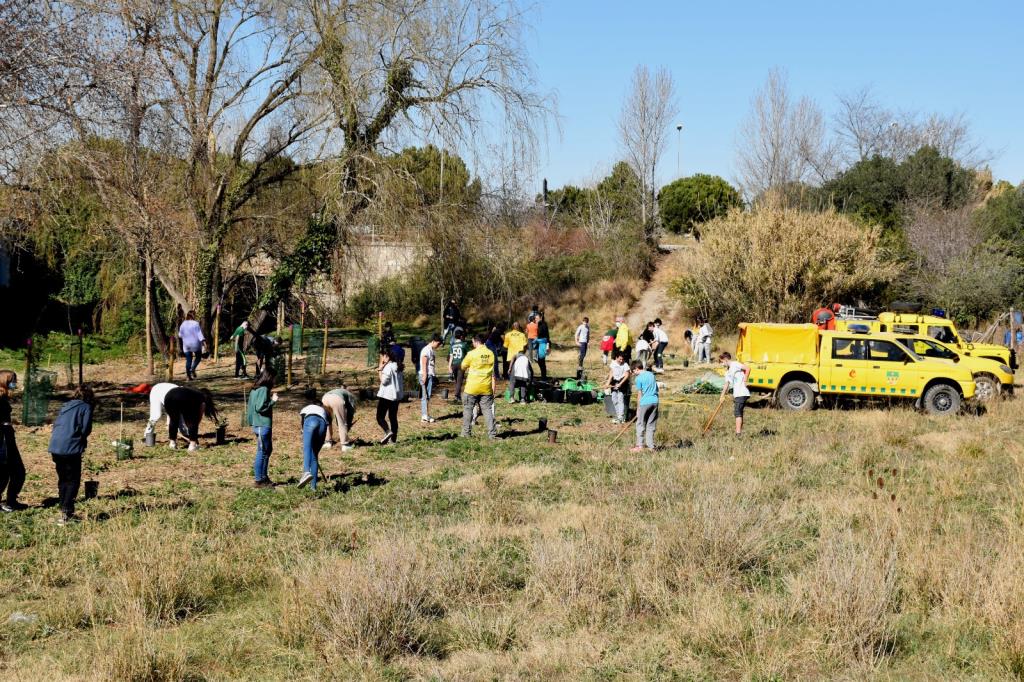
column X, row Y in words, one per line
column 192, row 342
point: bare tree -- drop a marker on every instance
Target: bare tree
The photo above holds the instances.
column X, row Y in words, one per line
column 865, row 128
column 647, row 114
column 782, row 141
column 393, row 68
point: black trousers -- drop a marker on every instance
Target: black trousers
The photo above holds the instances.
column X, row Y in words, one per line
column 69, row 478
column 388, row 408
column 460, row 379
column 240, row 368
column 12, row 469
column 543, row 364
column 183, row 409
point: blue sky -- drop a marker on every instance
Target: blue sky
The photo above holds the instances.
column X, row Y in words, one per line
column 929, row 56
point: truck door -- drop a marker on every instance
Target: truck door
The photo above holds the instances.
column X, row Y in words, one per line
column 847, row 368
column 892, row 371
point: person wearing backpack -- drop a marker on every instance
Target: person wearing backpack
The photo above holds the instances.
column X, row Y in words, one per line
column 68, row 442
column 543, row 344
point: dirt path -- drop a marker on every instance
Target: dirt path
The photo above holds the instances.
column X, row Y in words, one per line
column 655, row 301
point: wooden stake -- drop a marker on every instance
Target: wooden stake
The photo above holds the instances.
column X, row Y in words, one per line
column 216, row 336
column 81, row 352
column 289, row 384
column 323, row 352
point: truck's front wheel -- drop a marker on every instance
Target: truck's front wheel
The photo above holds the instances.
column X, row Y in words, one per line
column 986, row 388
column 942, row 399
column 796, row 396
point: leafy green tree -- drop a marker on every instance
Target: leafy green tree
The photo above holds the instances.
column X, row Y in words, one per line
column 426, row 182
column 872, row 189
column 929, row 177
column 688, row 202
column 619, row 192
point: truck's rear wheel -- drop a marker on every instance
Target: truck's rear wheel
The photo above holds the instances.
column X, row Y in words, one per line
column 942, row 399
column 796, row 396
column 986, row 388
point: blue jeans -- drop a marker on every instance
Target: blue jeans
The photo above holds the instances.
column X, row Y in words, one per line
column 426, row 390
column 264, row 446
column 314, row 433
column 192, row 358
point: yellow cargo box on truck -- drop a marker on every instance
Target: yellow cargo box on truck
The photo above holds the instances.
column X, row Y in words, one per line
column 938, row 328
column 798, row 362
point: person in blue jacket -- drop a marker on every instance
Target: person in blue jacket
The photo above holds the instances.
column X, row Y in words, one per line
column 68, row 441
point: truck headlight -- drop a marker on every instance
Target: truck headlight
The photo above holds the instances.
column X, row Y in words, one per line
column 1005, row 369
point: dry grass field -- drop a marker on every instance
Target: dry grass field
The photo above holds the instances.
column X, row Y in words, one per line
column 866, row 543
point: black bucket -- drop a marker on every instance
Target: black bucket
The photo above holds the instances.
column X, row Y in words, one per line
column 222, row 433
column 542, row 424
column 92, row 489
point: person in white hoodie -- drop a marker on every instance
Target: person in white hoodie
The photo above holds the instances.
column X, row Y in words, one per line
column 157, row 394
column 522, row 375
column 661, row 343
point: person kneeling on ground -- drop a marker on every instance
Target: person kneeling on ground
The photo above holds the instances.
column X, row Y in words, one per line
column 313, row 421
column 646, row 406
column 340, row 405
column 185, row 408
column 68, row 441
column 522, row 377
column 736, row 374
column 260, row 413
column 480, row 387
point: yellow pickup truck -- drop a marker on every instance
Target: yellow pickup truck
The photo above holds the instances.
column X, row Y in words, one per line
column 991, row 377
column 938, row 328
column 798, row 363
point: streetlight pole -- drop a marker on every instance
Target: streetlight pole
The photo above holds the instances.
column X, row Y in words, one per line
column 679, row 150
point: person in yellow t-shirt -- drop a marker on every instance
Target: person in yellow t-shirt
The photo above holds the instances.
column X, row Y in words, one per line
column 480, row 386
column 515, row 341
column 623, row 340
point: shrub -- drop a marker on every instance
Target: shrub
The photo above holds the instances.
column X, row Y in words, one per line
column 778, row 265
column 688, row 202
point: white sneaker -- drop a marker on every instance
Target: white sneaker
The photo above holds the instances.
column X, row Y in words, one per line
column 192, row 447
column 429, row 420
column 386, row 438
column 172, row 445
column 346, row 448
column 329, row 444
column 305, row 478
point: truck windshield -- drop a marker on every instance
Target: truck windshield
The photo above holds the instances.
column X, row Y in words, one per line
column 928, row 349
column 943, row 334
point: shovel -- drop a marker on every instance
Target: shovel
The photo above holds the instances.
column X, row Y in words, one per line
column 711, row 419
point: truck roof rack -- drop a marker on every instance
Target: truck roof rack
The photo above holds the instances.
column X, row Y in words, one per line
column 847, row 312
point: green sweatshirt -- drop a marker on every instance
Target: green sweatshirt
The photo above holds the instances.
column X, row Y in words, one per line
column 261, row 408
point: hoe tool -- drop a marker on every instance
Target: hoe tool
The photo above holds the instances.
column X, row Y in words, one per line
column 711, row 419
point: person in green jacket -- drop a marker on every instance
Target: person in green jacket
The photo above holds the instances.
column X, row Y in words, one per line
column 260, row 412
column 238, row 336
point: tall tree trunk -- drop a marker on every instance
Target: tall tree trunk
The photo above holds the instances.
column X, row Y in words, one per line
column 149, row 313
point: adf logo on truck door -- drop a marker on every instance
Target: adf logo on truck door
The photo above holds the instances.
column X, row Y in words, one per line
column 892, row 378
